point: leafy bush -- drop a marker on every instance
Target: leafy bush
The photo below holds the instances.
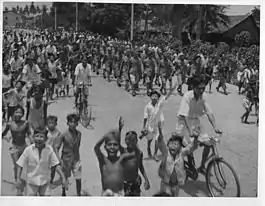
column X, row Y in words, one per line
column 243, row 39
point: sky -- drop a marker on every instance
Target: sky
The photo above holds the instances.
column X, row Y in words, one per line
column 233, row 10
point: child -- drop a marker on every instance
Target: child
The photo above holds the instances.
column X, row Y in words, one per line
column 70, row 157
column 19, row 130
column 15, row 97
column 247, row 103
column 171, row 170
column 111, row 166
column 37, row 110
column 152, row 115
column 38, row 159
column 53, row 135
column 132, row 180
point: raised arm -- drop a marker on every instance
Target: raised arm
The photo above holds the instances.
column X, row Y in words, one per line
column 4, row 133
column 98, row 151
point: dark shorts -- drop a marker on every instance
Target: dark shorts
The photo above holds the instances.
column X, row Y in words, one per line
column 133, row 188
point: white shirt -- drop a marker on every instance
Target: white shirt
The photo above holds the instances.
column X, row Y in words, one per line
column 31, row 73
column 38, row 168
column 16, row 64
column 82, row 73
column 192, row 108
column 154, row 114
column 51, row 49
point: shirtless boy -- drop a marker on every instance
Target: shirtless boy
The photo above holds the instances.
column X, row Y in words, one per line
column 111, row 166
column 132, row 180
column 19, row 130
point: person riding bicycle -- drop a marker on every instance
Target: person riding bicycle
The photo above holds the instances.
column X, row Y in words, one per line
column 31, row 74
column 193, row 106
column 82, row 78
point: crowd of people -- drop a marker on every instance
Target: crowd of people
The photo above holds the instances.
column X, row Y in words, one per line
column 39, row 66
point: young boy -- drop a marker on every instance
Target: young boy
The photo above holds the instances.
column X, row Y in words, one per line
column 171, row 170
column 19, row 130
column 111, row 166
column 37, row 110
column 38, row 159
column 53, row 135
column 132, row 180
column 70, row 158
column 15, row 97
column 247, row 103
column 152, row 115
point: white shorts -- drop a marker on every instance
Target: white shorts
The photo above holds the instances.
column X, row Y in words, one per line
column 35, row 190
column 110, row 193
column 182, row 130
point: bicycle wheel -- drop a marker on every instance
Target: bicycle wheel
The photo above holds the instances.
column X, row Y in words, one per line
column 219, row 173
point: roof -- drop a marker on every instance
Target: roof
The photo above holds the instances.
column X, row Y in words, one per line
column 233, row 21
column 247, row 24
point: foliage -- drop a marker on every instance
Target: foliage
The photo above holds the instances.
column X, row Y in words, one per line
column 243, row 39
column 256, row 13
column 199, row 19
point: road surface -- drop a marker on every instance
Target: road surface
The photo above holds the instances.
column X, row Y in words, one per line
column 239, row 144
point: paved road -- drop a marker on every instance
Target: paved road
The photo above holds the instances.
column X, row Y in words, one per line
column 239, row 145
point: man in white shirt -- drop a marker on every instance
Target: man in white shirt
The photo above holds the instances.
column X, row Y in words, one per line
column 16, row 62
column 193, row 106
column 51, row 49
column 82, row 77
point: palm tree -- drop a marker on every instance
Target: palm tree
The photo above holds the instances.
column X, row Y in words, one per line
column 38, row 11
column 33, row 11
column 26, row 10
column 199, row 19
column 43, row 12
column 21, row 10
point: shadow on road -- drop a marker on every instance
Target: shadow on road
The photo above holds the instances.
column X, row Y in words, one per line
column 195, row 188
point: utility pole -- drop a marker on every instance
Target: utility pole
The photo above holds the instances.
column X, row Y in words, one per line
column 55, row 18
column 76, row 17
column 132, row 15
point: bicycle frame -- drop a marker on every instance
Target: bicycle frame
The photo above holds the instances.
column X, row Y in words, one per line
column 214, row 155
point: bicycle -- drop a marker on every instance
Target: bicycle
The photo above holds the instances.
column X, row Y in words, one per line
column 214, row 163
column 82, row 104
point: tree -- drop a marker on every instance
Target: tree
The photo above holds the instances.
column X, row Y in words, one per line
column 38, row 11
column 32, row 8
column 14, row 9
column 243, row 39
column 17, row 8
column 256, row 13
column 26, row 10
column 21, row 10
column 44, row 9
column 6, row 9
column 199, row 19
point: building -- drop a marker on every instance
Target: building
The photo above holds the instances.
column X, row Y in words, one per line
column 236, row 26
column 11, row 18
